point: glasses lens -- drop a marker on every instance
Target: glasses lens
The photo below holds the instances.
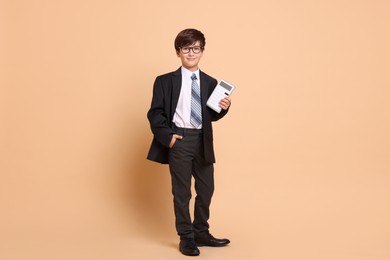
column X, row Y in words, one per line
column 185, row 50
column 196, row 49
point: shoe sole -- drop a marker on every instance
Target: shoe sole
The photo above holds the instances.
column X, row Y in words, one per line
column 200, row 244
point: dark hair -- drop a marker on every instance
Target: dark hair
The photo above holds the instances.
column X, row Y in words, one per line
column 188, row 37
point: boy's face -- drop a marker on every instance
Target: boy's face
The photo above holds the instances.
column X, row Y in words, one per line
column 190, row 60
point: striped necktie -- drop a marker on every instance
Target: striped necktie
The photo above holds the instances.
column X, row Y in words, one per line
column 196, row 108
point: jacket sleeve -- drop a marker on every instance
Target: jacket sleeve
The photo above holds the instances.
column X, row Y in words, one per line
column 157, row 114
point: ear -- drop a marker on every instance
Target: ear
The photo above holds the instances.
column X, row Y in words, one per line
column 178, row 53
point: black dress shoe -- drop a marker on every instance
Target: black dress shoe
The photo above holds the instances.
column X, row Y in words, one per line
column 188, row 247
column 209, row 240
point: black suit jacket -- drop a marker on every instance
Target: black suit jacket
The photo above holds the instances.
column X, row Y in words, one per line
column 166, row 92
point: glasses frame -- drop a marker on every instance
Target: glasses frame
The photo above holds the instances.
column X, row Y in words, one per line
column 191, row 49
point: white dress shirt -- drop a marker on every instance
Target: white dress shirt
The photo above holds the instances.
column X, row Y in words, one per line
column 182, row 114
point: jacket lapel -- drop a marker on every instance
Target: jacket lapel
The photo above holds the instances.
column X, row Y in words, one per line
column 203, row 90
column 176, row 87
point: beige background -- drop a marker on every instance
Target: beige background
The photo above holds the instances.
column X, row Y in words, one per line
column 303, row 169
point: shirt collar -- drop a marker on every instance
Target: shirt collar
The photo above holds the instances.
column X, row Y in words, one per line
column 187, row 73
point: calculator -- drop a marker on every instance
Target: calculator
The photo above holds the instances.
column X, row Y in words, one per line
column 222, row 90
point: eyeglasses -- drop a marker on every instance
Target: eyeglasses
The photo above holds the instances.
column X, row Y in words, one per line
column 195, row 49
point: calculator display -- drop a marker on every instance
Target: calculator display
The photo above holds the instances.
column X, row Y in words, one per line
column 223, row 84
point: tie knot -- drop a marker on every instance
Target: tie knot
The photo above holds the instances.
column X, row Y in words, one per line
column 193, row 76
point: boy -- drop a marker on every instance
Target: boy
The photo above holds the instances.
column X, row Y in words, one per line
column 183, row 138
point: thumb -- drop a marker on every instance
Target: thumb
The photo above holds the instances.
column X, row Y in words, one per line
column 179, row 137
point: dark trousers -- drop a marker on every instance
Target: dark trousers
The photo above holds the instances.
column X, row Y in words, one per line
column 186, row 160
